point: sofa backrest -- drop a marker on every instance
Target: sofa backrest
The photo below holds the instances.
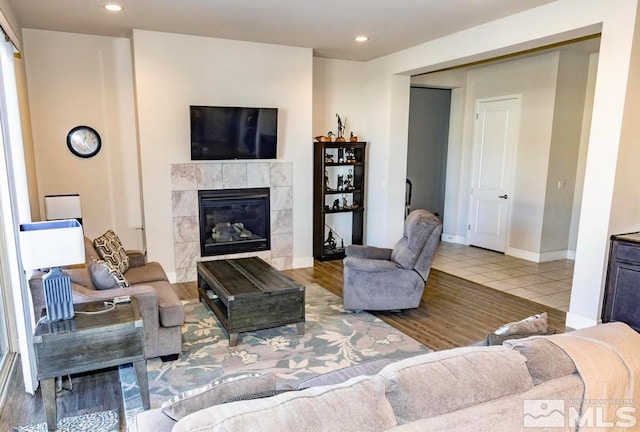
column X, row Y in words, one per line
column 324, row 408
column 441, row 382
column 419, row 241
column 90, row 253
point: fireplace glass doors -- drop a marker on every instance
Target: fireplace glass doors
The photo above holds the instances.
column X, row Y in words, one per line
column 234, row 221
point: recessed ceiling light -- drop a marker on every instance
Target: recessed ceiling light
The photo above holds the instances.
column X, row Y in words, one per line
column 113, row 7
column 361, row 38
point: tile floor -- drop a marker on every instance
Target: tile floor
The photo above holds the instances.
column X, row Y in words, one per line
column 548, row 283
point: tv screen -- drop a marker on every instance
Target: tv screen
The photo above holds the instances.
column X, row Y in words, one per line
column 219, row 133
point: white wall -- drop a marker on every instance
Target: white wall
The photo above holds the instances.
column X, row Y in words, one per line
column 337, row 89
column 534, row 79
column 553, row 22
column 573, row 68
column 76, row 80
column 582, row 154
column 174, row 71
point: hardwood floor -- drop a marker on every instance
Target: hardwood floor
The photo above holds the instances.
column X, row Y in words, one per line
column 453, row 312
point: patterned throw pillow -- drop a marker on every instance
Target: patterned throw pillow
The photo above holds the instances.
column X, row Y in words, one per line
column 110, row 249
column 105, row 276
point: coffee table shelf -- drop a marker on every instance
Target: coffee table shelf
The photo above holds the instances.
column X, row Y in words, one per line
column 251, row 295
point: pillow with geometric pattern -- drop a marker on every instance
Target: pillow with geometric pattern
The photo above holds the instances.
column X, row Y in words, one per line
column 105, row 276
column 110, row 249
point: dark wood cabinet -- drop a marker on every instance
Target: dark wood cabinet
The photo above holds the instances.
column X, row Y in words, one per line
column 622, row 288
column 338, row 187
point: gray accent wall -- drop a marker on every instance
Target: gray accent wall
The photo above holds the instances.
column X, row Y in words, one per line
column 427, row 151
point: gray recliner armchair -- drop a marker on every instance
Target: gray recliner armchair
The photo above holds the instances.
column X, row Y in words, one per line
column 391, row 279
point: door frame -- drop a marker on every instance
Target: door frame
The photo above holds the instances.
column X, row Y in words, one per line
column 474, row 163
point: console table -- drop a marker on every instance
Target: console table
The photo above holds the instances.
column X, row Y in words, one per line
column 248, row 294
column 86, row 343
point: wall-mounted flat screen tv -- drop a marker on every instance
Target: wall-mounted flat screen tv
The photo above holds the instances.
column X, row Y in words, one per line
column 219, row 133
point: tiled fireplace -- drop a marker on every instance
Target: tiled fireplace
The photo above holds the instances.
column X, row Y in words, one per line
column 188, row 179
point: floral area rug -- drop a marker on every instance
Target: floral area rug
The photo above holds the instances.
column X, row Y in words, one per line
column 103, row 421
column 333, row 339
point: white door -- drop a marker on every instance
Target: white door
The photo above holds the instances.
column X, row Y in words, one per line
column 495, row 139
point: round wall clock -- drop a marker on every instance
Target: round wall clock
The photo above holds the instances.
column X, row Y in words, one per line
column 84, row 141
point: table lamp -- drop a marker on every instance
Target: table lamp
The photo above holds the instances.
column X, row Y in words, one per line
column 53, row 244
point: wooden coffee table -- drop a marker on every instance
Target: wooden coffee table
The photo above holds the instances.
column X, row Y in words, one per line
column 247, row 294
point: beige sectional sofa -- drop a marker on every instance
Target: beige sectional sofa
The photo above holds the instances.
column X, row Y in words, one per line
column 497, row 388
column 160, row 308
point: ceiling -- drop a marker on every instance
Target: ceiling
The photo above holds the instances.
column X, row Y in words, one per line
column 327, row 26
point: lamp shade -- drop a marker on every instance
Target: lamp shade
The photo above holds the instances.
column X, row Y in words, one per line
column 51, row 244
column 58, row 207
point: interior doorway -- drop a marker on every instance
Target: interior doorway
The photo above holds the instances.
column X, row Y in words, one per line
column 429, row 111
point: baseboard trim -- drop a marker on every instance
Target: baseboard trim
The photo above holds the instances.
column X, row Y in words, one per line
column 577, row 322
column 303, row 262
column 451, row 238
column 539, row 257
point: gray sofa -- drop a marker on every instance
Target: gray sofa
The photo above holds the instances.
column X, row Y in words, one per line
column 388, row 279
column 161, row 309
column 495, row 389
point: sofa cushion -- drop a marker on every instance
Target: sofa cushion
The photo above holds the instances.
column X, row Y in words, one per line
column 325, row 408
column 110, row 249
column 105, row 276
column 219, row 391
column 545, row 360
column 440, row 382
column 80, row 276
column 344, row 374
column 506, row 414
column 170, row 308
column 150, row 272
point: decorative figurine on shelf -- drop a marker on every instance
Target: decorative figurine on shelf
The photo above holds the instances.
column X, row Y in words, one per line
column 344, row 202
column 327, row 208
column 353, row 138
column 350, row 155
column 326, row 180
column 336, row 204
column 330, row 242
column 340, row 155
column 341, row 128
column 322, row 138
column 328, row 158
column 348, row 183
column 340, row 182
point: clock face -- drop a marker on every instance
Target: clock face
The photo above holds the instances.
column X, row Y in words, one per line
column 84, row 141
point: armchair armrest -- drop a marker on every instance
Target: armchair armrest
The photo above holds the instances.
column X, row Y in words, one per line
column 136, row 258
column 369, row 252
column 370, row 265
column 83, row 295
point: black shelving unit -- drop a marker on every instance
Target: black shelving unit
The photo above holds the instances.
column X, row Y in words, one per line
column 330, row 160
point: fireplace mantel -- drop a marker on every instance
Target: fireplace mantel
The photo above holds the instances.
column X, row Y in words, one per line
column 188, row 178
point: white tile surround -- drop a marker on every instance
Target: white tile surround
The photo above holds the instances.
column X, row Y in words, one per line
column 188, row 178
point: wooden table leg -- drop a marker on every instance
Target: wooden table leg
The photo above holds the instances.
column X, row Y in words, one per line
column 233, row 339
column 48, row 388
column 143, row 382
column 300, row 327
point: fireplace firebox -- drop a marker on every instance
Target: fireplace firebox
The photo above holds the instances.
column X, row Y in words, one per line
column 234, row 221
